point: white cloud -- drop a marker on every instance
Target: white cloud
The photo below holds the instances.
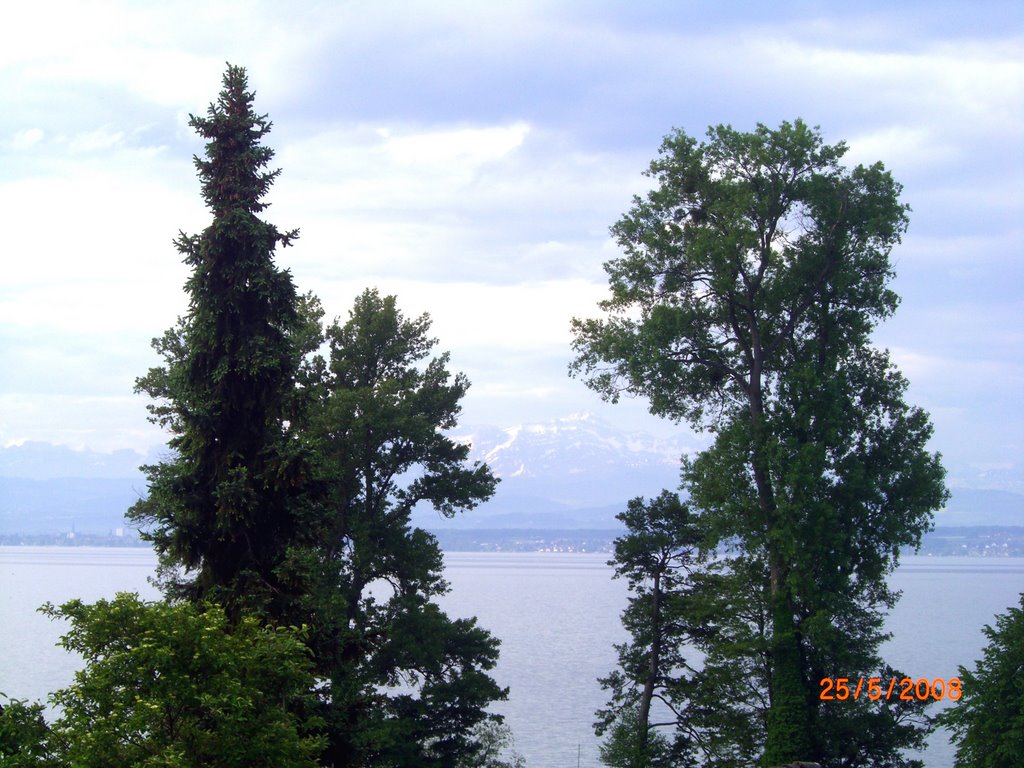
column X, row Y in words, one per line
column 27, row 138
column 391, row 168
column 92, row 225
column 470, row 159
column 511, row 318
column 98, row 423
column 95, row 141
column 499, row 204
column 942, row 249
column 968, row 84
column 903, row 146
column 968, row 328
column 460, row 151
column 971, row 376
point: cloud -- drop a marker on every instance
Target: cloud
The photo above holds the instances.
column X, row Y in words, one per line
column 95, row 141
column 499, row 319
column 972, row 376
column 26, row 138
column 463, row 150
column 94, row 225
column 393, row 168
column 915, row 146
column 965, row 327
column 470, row 158
column 499, row 203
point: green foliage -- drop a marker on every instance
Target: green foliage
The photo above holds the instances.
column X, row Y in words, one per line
column 224, row 506
column 751, row 278
column 178, row 685
column 747, row 244
column 293, row 477
column 24, row 736
column 381, row 416
column 627, row 746
column 496, row 748
column 408, row 685
column 988, row 720
column 657, row 557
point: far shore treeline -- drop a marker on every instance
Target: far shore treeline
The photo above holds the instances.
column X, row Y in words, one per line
column 960, row 541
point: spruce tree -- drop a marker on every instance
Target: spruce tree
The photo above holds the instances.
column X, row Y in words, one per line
column 222, row 508
column 289, row 491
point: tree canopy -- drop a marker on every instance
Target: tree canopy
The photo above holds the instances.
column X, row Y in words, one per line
column 292, row 477
column 408, row 685
column 170, row 685
column 179, row 685
column 224, row 506
column 24, row 736
column 751, row 278
column 987, row 721
column 658, row 556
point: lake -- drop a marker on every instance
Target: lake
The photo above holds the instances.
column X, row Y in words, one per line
column 556, row 613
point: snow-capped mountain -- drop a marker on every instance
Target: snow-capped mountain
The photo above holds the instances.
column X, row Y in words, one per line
column 575, row 445
column 577, row 471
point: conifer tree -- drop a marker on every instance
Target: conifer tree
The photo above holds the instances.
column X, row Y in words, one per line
column 289, row 491
column 223, row 506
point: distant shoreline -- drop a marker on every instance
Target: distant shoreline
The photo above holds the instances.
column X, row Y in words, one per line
column 966, row 541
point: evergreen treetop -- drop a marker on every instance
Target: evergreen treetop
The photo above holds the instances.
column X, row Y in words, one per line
column 223, row 507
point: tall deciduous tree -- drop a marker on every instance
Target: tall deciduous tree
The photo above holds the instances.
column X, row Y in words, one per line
column 752, row 277
column 409, row 686
column 223, row 508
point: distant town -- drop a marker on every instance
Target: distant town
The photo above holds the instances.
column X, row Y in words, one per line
column 973, row 541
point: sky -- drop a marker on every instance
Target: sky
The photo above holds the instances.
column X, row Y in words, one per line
column 470, row 158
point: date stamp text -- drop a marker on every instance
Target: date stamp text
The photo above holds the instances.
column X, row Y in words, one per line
column 904, row 689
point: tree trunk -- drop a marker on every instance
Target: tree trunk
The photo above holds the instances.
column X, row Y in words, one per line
column 643, row 721
column 788, row 738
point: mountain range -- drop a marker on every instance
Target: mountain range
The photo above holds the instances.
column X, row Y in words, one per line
column 572, row 473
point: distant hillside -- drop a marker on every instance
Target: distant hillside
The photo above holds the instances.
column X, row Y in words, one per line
column 43, row 461
column 969, row 507
column 575, row 473
column 62, row 505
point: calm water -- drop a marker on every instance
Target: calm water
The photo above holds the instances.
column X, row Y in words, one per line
column 557, row 616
